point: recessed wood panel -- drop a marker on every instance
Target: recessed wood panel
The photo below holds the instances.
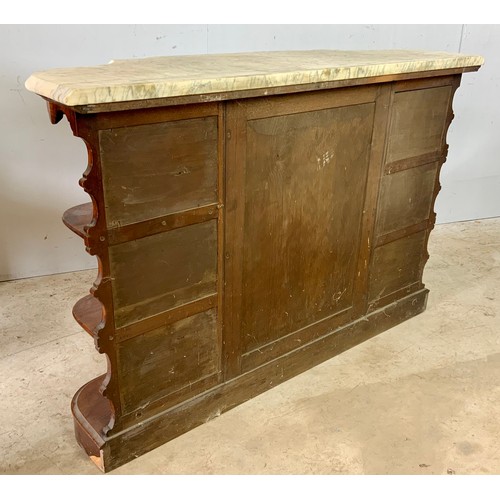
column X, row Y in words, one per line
column 418, row 120
column 156, row 273
column 305, row 178
column 396, row 265
column 167, row 359
column 405, row 198
column 156, row 169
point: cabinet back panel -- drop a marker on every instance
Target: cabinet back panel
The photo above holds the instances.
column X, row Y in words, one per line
column 159, row 272
column 418, row 121
column 167, row 359
column 156, row 169
column 301, row 231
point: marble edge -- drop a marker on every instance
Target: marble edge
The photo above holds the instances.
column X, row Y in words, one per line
column 71, row 94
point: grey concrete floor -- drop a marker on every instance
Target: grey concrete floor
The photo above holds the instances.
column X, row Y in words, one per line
column 421, row 398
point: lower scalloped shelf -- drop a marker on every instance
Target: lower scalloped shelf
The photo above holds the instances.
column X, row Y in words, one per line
column 92, row 413
column 88, row 312
column 76, row 218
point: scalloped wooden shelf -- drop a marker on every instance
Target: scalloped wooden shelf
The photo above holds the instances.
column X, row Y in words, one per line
column 92, row 412
column 88, row 313
column 76, row 218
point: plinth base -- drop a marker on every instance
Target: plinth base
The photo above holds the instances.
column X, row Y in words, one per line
column 92, row 411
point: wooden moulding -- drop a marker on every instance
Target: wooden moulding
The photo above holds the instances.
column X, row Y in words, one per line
column 91, row 410
column 88, row 312
column 150, row 227
column 78, row 217
column 402, row 233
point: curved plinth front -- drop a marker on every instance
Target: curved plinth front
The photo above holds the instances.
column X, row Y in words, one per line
column 91, row 413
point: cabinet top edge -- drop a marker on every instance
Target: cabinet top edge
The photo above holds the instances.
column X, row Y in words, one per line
column 179, row 76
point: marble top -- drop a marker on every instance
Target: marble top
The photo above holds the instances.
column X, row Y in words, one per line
column 174, row 76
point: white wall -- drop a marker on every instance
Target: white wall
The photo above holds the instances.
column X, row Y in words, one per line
column 40, row 164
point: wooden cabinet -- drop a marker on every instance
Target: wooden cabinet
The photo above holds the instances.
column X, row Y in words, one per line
column 244, row 236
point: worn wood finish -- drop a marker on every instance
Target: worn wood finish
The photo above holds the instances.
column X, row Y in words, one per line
column 418, row 119
column 383, row 239
column 241, row 117
column 160, row 272
column 208, row 405
column 164, row 360
column 396, row 265
column 166, row 317
column 298, row 263
column 156, row 169
column 102, row 416
column 91, row 412
column 244, row 241
column 405, row 198
column 163, row 223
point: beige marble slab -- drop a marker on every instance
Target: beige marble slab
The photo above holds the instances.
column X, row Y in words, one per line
column 157, row 77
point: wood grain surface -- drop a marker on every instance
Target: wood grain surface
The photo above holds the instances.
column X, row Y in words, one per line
column 301, row 232
column 243, row 242
column 159, row 272
column 153, row 170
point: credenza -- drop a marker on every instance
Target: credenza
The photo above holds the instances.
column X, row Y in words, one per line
column 252, row 215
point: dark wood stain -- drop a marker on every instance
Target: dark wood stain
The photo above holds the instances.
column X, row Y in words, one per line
column 379, row 134
column 416, row 161
column 383, row 239
column 153, row 274
column 405, row 198
column 302, row 234
column 209, row 405
column 155, row 169
column 418, row 121
column 163, row 223
column 392, row 297
column 166, row 359
column 396, row 265
column 166, row 317
column 242, row 242
column 88, row 312
column 278, row 347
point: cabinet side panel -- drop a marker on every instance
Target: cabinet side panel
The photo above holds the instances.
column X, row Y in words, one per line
column 419, row 115
column 405, row 198
column 418, row 121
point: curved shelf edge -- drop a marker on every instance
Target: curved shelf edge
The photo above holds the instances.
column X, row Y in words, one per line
column 88, row 312
column 76, row 218
column 91, row 413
